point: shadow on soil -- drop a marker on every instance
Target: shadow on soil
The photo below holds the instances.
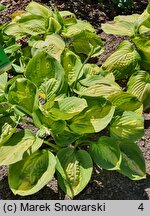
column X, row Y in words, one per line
column 104, row 185
column 146, row 124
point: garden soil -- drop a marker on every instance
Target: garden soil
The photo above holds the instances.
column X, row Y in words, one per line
column 104, row 185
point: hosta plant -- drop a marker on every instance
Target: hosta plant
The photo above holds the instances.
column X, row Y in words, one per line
column 70, row 103
column 131, row 60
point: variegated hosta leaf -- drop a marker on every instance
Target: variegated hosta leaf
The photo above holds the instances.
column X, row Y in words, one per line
column 26, row 24
column 8, row 125
column 127, row 25
column 143, row 30
column 23, row 93
column 11, row 81
column 75, row 29
column 15, row 30
column 123, row 28
column 128, row 126
column 91, row 69
column 32, row 24
column 39, row 10
column 54, row 26
column 67, row 108
column 123, row 61
column 144, row 19
column 139, row 85
column 93, row 45
column 125, row 101
column 72, row 65
column 49, row 88
column 72, row 105
column 13, row 149
column 74, row 169
column 53, row 45
column 43, row 67
column 106, row 153
column 143, row 46
column 32, row 173
column 17, row 15
column 96, row 86
column 132, row 164
column 127, row 18
column 93, row 119
column 67, row 18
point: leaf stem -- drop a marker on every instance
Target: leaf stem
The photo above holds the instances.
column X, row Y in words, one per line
column 78, row 75
column 52, row 145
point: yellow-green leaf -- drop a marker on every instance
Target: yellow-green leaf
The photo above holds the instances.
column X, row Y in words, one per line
column 139, row 85
column 74, row 169
column 106, row 153
column 132, row 164
column 13, row 150
column 129, row 126
column 32, row 173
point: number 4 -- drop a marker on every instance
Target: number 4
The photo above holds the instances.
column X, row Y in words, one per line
column 141, row 207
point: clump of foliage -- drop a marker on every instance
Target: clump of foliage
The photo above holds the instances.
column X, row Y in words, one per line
column 132, row 61
column 68, row 100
